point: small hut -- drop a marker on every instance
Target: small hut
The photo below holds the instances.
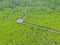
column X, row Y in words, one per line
column 20, row 20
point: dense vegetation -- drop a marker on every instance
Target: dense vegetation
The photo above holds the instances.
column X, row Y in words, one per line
column 43, row 5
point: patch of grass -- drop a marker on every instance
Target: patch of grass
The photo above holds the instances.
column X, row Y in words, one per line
column 12, row 33
column 9, row 15
column 50, row 20
column 23, row 34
